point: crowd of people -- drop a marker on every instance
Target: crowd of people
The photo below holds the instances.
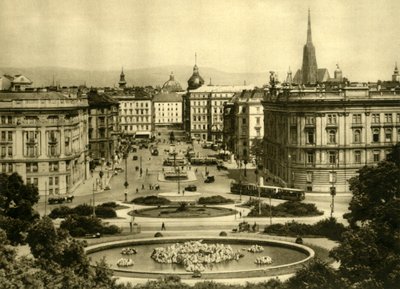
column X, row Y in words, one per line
column 195, row 255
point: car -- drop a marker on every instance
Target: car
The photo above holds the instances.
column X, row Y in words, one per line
column 209, row 179
column 119, row 170
column 135, row 158
column 107, row 188
column 191, row 188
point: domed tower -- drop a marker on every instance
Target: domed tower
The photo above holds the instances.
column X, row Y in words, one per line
column 172, row 85
column 195, row 81
column 122, row 81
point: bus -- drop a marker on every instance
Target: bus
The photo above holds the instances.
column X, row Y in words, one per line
column 274, row 192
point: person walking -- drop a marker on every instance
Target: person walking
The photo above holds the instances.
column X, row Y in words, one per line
column 163, row 227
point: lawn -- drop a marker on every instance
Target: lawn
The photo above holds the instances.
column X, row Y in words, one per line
column 179, row 212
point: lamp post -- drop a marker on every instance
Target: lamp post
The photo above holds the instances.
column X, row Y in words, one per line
column 126, row 184
column 101, row 174
column 332, row 189
column 259, row 192
column 94, row 209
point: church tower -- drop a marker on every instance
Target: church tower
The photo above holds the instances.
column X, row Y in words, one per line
column 195, row 81
column 396, row 75
column 122, row 81
column 309, row 68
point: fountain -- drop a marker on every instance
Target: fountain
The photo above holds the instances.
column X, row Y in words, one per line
column 270, row 259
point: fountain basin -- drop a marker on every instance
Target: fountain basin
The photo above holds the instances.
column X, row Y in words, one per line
column 288, row 258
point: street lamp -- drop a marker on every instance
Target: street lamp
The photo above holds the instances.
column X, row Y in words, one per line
column 259, row 192
column 101, row 174
column 126, row 184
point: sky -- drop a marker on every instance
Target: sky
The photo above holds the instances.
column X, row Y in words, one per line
column 229, row 35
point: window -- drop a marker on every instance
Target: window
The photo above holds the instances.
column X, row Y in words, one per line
column 310, row 158
column 243, row 121
column 375, row 135
column 257, row 120
column 357, row 157
column 31, row 167
column 398, row 117
column 332, row 118
column 332, row 157
column 310, row 137
column 388, row 118
column 357, row 118
column 293, row 120
column 310, row 120
column 398, row 135
column 377, row 156
column 332, row 136
column 388, row 135
column 357, row 136
column 53, row 166
column 375, row 118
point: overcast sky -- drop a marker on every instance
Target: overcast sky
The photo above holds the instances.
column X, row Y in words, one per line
column 229, row 35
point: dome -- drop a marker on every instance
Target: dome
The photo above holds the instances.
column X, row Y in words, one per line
column 172, row 85
column 195, row 81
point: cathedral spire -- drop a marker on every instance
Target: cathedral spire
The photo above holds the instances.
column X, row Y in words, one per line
column 309, row 35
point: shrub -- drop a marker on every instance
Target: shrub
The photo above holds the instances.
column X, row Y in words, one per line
column 83, row 210
column 214, row 200
column 328, row 228
column 223, row 234
column 158, row 235
column 287, row 209
column 105, row 212
column 61, row 212
column 109, row 204
column 151, row 201
column 79, row 226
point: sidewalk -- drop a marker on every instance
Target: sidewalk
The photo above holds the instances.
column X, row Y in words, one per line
column 87, row 186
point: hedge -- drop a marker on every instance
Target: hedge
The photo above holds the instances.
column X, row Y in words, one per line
column 80, row 226
column 286, row 209
column 151, row 201
column 214, row 200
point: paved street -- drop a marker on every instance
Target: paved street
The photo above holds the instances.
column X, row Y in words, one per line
column 153, row 165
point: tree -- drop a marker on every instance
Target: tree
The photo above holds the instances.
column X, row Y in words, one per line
column 171, row 137
column 16, row 206
column 257, row 150
column 370, row 252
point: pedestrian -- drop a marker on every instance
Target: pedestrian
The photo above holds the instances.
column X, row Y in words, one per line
column 147, row 172
column 240, row 214
column 137, row 191
column 142, row 186
column 163, row 227
column 150, row 187
column 183, row 192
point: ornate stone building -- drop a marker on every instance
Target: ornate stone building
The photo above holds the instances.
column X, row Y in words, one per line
column 44, row 138
column 103, row 126
column 315, row 139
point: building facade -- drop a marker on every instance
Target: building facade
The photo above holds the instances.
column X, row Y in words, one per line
column 168, row 109
column 206, row 108
column 243, row 123
column 135, row 113
column 315, row 139
column 44, row 138
column 103, row 126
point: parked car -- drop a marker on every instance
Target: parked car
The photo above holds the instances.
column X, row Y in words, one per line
column 119, row 170
column 209, row 179
column 191, row 188
column 107, row 188
column 135, row 158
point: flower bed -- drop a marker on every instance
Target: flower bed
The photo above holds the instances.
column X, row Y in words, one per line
column 195, row 255
column 255, row 249
column 128, row 251
column 125, row 262
column 264, row 260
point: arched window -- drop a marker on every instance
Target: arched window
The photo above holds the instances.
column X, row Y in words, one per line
column 375, row 135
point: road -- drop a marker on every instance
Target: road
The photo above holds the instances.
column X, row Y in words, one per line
column 221, row 186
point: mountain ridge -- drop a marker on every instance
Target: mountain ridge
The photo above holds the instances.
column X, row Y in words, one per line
column 154, row 76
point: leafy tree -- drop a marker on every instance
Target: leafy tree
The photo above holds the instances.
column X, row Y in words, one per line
column 370, row 251
column 171, row 137
column 257, row 150
column 16, row 206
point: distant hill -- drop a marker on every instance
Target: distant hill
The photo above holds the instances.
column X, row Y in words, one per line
column 43, row 76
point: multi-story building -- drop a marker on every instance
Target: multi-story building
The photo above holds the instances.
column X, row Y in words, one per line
column 43, row 137
column 103, row 126
column 316, row 139
column 206, row 108
column 244, row 122
column 15, row 83
column 167, row 109
column 135, row 112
